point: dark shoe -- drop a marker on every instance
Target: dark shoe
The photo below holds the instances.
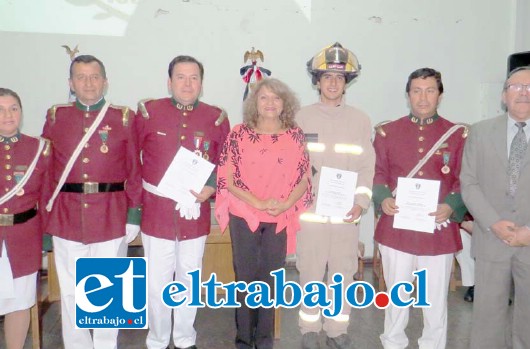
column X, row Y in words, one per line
column 190, row 347
column 470, row 294
column 341, row 342
column 310, row 341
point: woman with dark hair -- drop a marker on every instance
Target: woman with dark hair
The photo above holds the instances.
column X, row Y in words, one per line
column 24, row 160
column 263, row 185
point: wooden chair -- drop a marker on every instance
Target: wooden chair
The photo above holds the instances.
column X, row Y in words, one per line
column 454, row 282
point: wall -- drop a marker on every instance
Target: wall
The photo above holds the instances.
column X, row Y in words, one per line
column 468, row 41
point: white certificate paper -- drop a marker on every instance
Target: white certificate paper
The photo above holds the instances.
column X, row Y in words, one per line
column 416, row 198
column 186, row 172
column 336, row 192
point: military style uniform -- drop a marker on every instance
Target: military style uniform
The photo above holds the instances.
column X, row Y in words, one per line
column 89, row 215
column 173, row 243
column 20, row 217
column 337, row 137
column 399, row 146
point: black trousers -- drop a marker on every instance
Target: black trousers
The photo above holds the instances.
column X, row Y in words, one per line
column 255, row 255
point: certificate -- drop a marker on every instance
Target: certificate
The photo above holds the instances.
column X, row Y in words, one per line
column 416, row 198
column 186, row 172
column 336, row 192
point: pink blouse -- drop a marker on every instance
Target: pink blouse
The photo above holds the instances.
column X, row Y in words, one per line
column 268, row 166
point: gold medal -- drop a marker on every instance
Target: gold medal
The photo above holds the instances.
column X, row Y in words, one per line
column 197, row 152
column 20, row 192
column 104, row 149
column 446, row 169
column 205, row 156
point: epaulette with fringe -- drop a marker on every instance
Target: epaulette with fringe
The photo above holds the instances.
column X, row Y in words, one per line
column 124, row 113
column 222, row 116
column 54, row 108
column 47, row 147
column 379, row 128
column 465, row 131
column 142, row 108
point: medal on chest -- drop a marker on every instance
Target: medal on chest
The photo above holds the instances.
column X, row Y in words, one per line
column 18, row 177
column 446, row 156
column 104, row 135
column 206, row 148
column 197, row 142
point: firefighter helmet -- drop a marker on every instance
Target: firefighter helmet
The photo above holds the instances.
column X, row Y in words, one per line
column 334, row 58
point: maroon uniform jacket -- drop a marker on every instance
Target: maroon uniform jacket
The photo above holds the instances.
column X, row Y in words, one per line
column 163, row 126
column 95, row 217
column 23, row 241
column 399, row 145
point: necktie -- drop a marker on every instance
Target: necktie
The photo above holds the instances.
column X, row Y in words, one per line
column 517, row 151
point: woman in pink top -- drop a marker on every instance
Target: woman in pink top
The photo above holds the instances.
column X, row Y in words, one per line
column 263, row 186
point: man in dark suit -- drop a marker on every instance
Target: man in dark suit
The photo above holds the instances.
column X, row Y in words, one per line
column 495, row 181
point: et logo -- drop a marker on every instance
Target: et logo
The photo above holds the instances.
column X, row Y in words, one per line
column 111, row 293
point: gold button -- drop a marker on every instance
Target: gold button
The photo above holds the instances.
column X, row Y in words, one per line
column 420, row 173
column 6, row 210
column 8, row 167
column 182, row 138
column 7, row 189
column 184, row 125
column 86, row 160
column 184, row 114
column 85, row 205
column 86, row 129
column 421, row 139
column 421, row 128
column 420, row 150
column 8, row 157
column 8, row 177
column 86, row 145
column 7, row 147
column 87, row 115
column 85, row 176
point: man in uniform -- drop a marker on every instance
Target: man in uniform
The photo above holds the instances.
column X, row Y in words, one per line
column 96, row 187
column 399, row 146
column 338, row 136
column 174, row 239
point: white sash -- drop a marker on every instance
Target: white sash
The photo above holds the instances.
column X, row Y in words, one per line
column 26, row 176
column 75, row 155
column 431, row 152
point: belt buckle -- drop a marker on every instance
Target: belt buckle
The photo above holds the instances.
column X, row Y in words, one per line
column 6, row 220
column 90, row 187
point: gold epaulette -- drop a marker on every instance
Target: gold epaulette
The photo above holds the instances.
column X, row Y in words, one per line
column 379, row 128
column 142, row 108
column 54, row 108
column 124, row 113
column 47, row 147
column 465, row 131
column 222, row 116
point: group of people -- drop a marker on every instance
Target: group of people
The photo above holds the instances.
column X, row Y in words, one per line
column 94, row 192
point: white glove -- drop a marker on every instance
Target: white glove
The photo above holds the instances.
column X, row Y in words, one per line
column 189, row 212
column 443, row 224
column 131, row 232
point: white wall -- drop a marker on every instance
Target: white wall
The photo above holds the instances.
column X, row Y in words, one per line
column 522, row 26
column 468, row 41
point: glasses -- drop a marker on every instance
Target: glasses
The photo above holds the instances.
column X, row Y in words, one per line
column 518, row 87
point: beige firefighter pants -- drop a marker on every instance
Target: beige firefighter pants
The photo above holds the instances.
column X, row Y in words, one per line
column 325, row 247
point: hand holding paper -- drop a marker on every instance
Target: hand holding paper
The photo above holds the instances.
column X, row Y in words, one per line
column 186, row 172
column 416, row 199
